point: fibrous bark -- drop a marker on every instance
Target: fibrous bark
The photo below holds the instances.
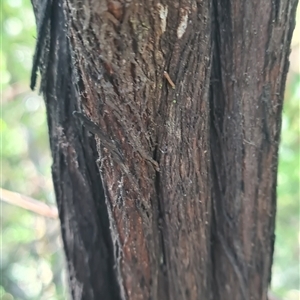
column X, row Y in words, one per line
column 156, row 215
column 168, row 190
column 251, row 49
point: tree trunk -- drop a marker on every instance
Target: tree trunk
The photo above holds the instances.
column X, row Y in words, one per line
column 168, row 190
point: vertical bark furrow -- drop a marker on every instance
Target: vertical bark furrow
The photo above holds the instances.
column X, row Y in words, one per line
column 185, row 185
column 249, row 69
column 171, row 196
column 139, row 108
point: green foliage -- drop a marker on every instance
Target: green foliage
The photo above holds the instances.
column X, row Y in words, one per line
column 32, row 260
column 285, row 275
column 286, row 278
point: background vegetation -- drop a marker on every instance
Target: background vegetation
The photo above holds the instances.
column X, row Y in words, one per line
column 32, row 262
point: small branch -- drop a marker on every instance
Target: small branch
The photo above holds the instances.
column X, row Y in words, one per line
column 28, row 203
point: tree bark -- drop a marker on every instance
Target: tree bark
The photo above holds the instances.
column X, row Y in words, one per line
column 252, row 45
column 168, row 190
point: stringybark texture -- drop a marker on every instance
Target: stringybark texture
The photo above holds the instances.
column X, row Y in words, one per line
column 156, row 215
column 252, row 45
column 164, row 121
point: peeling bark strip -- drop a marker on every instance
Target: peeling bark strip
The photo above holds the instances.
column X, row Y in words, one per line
column 134, row 197
column 77, row 183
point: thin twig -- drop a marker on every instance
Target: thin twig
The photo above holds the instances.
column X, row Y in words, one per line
column 28, row 203
column 167, row 76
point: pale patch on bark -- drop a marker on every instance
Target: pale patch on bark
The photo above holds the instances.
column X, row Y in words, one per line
column 182, row 25
column 163, row 13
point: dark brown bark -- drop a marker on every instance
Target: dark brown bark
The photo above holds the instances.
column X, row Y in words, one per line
column 249, row 72
column 172, row 193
